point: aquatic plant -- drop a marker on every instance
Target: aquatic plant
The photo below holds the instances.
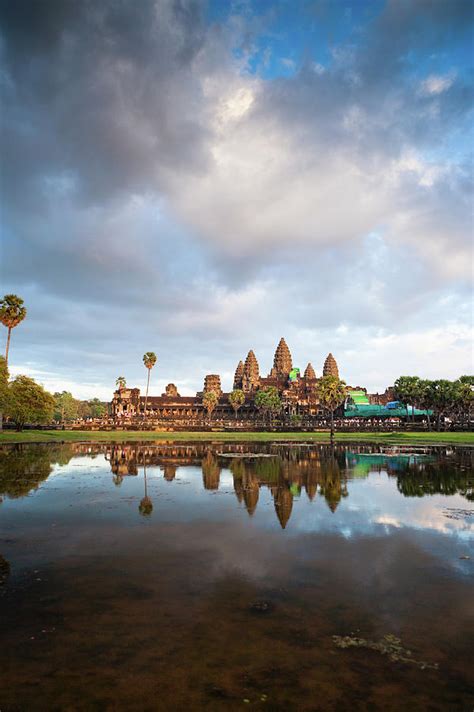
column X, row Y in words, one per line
column 389, row 645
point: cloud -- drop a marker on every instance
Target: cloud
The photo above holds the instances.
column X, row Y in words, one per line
column 436, row 84
column 159, row 190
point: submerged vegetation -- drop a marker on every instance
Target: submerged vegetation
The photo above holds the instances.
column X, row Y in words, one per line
column 389, row 645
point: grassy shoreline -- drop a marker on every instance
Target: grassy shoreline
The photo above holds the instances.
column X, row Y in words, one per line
column 390, row 438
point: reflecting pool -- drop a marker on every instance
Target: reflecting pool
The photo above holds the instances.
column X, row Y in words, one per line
column 221, row 576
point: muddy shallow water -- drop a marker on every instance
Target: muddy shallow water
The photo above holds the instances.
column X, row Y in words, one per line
column 226, row 576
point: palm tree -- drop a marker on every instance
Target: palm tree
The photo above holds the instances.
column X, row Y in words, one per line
column 236, row 399
column 408, row 390
column 121, row 382
column 331, row 393
column 149, row 359
column 209, row 401
column 268, row 401
column 12, row 312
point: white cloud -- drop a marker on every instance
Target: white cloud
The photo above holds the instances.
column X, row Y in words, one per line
column 436, row 84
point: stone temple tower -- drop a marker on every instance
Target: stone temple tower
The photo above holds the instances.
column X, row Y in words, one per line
column 239, row 372
column 212, row 382
column 282, row 362
column 309, row 373
column 330, row 367
column 251, row 375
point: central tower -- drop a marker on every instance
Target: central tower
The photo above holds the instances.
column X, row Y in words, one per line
column 282, row 361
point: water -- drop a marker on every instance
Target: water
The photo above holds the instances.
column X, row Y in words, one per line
column 224, row 576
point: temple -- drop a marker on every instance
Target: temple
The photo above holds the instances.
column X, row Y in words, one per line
column 298, row 394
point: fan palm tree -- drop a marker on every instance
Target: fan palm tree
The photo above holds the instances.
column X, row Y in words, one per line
column 331, row 393
column 12, row 312
column 149, row 359
column 209, row 400
column 236, row 399
column 121, row 382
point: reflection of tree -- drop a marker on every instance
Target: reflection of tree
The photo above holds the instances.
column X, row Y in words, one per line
column 333, row 484
column 436, row 478
column 24, row 466
column 420, row 475
column 146, row 505
column 210, row 471
column 267, row 469
column 169, row 472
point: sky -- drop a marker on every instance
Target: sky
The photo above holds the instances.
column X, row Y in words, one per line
column 201, row 178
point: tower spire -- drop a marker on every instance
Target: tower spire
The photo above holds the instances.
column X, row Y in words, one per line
column 282, row 362
column 330, row 367
column 251, row 375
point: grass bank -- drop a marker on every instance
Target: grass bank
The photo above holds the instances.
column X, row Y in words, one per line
column 392, row 438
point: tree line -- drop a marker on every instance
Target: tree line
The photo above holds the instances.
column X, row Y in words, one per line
column 446, row 399
column 23, row 401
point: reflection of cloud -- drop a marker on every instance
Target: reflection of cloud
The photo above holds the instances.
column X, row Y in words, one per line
column 386, row 519
column 376, row 501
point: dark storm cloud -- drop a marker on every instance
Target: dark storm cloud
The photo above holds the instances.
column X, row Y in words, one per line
column 99, row 92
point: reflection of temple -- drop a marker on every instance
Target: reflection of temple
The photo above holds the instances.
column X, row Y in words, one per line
column 297, row 392
column 283, row 471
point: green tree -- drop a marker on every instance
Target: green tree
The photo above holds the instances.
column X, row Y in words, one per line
column 97, row 408
column 463, row 398
column 149, row 359
column 407, row 390
column 424, row 397
column 236, row 399
column 267, row 401
column 121, row 382
column 12, row 312
column 210, row 400
column 331, row 394
column 66, row 407
column 28, row 402
column 3, row 388
column 442, row 396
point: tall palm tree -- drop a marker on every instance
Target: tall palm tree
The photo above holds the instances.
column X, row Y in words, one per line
column 121, row 382
column 149, row 359
column 12, row 312
column 331, row 393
